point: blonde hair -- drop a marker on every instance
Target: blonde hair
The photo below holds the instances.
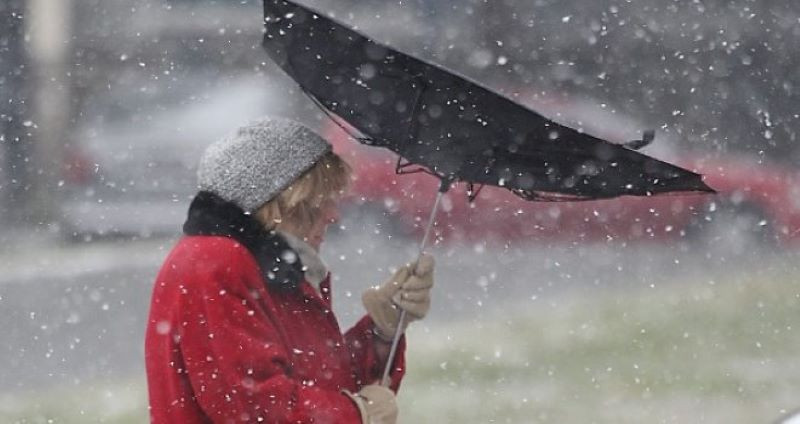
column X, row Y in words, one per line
column 299, row 204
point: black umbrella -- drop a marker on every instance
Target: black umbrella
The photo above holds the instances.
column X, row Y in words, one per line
column 454, row 128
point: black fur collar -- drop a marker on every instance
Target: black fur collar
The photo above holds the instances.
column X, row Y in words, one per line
column 210, row 215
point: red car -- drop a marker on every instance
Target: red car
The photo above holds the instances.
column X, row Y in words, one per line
column 757, row 201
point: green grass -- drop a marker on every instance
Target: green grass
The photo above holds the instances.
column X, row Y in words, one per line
column 685, row 352
column 120, row 402
column 689, row 352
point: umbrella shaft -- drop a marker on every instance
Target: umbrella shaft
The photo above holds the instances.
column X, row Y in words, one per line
column 393, row 350
column 399, row 330
column 430, row 224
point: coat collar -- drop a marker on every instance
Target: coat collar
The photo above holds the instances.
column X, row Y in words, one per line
column 314, row 268
column 210, row 215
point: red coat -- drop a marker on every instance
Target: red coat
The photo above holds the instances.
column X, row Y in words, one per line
column 222, row 347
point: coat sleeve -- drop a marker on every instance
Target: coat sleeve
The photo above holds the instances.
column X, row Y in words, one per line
column 361, row 342
column 236, row 361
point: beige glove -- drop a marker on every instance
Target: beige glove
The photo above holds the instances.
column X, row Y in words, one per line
column 409, row 289
column 376, row 404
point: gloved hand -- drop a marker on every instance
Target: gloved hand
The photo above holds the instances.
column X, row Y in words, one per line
column 376, row 403
column 409, row 289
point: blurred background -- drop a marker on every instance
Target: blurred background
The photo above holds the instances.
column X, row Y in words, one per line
column 674, row 309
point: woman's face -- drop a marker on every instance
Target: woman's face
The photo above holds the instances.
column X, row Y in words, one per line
column 328, row 214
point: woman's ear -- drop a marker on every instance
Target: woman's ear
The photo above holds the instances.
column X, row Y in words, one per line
column 269, row 215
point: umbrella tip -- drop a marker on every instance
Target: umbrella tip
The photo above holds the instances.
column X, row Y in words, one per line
column 705, row 188
column 647, row 137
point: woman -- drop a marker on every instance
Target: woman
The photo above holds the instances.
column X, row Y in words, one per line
column 240, row 326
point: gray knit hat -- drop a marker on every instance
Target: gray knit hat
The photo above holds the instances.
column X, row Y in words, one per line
column 261, row 159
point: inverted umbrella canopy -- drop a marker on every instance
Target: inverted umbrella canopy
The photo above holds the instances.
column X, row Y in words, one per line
column 457, row 129
column 454, row 127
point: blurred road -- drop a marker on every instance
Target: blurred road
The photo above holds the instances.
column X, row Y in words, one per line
column 74, row 313
column 77, row 313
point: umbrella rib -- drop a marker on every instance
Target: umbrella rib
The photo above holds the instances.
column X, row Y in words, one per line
column 472, row 194
column 400, row 168
column 414, row 124
column 333, row 117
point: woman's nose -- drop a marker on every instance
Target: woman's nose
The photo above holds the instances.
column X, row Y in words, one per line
column 333, row 216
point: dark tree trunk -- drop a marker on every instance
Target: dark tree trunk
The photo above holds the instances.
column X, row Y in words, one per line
column 16, row 172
